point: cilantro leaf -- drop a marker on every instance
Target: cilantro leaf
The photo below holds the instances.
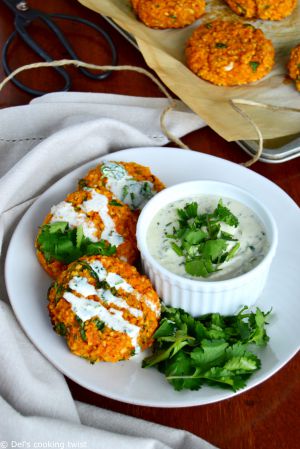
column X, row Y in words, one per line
column 181, row 374
column 211, row 349
column 210, row 353
column 257, row 322
column 223, row 214
column 200, row 239
column 57, row 241
column 199, row 267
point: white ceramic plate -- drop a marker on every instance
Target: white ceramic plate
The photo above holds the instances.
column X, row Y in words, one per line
column 27, row 284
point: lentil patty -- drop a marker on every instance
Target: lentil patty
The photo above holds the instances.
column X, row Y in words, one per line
column 104, row 308
column 113, row 222
column 131, row 183
column 229, row 53
column 294, row 65
column 262, row 9
column 168, row 13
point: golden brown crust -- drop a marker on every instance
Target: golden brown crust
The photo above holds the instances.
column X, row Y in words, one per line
column 229, row 53
column 106, row 344
column 169, row 13
column 262, row 9
column 294, row 66
column 125, row 225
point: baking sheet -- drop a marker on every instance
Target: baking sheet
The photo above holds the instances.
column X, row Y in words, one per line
column 163, row 51
column 277, row 150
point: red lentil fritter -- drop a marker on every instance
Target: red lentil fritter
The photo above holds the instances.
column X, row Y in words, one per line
column 89, row 221
column 131, row 183
column 104, row 308
column 168, row 13
column 294, row 65
column 262, row 9
column 229, row 53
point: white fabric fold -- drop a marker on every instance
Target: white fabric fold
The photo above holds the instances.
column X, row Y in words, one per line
column 39, row 143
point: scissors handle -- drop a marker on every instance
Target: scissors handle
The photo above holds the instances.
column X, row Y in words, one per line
column 8, row 70
column 21, row 23
column 73, row 54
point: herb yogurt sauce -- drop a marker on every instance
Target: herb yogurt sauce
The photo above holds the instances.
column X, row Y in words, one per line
column 250, row 233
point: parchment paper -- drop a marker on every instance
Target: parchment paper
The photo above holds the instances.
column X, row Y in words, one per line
column 163, row 51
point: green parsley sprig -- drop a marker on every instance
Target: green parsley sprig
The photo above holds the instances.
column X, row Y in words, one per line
column 210, row 349
column 57, row 241
column 200, row 239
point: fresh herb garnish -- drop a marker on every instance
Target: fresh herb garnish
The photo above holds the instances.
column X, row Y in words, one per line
column 254, row 65
column 58, row 291
column 60, row 329
column 82, row 183
column 211, row 349
column 99, row 324
column 81, row 328
column 200, row 239
column 115, row 203
column 59, row 242
column 220, row 45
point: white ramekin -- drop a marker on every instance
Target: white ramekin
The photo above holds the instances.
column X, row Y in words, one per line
column 196, row 296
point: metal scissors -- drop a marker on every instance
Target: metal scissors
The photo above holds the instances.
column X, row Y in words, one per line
column 24, row 16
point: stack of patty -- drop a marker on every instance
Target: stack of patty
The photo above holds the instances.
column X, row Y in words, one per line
column 94, row 227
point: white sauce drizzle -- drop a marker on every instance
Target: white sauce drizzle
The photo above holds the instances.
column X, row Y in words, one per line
column 250, row 233
column 108, row 297
column 81, row 285
column 116, row 281
column 133, row 193
column 99, row 269
column 86, row 309
column 65, row 211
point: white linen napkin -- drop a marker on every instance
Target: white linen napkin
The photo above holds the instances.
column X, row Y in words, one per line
column 39, row 143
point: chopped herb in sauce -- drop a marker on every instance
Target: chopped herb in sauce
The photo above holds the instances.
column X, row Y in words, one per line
column 220, row 45
column 198, row 238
